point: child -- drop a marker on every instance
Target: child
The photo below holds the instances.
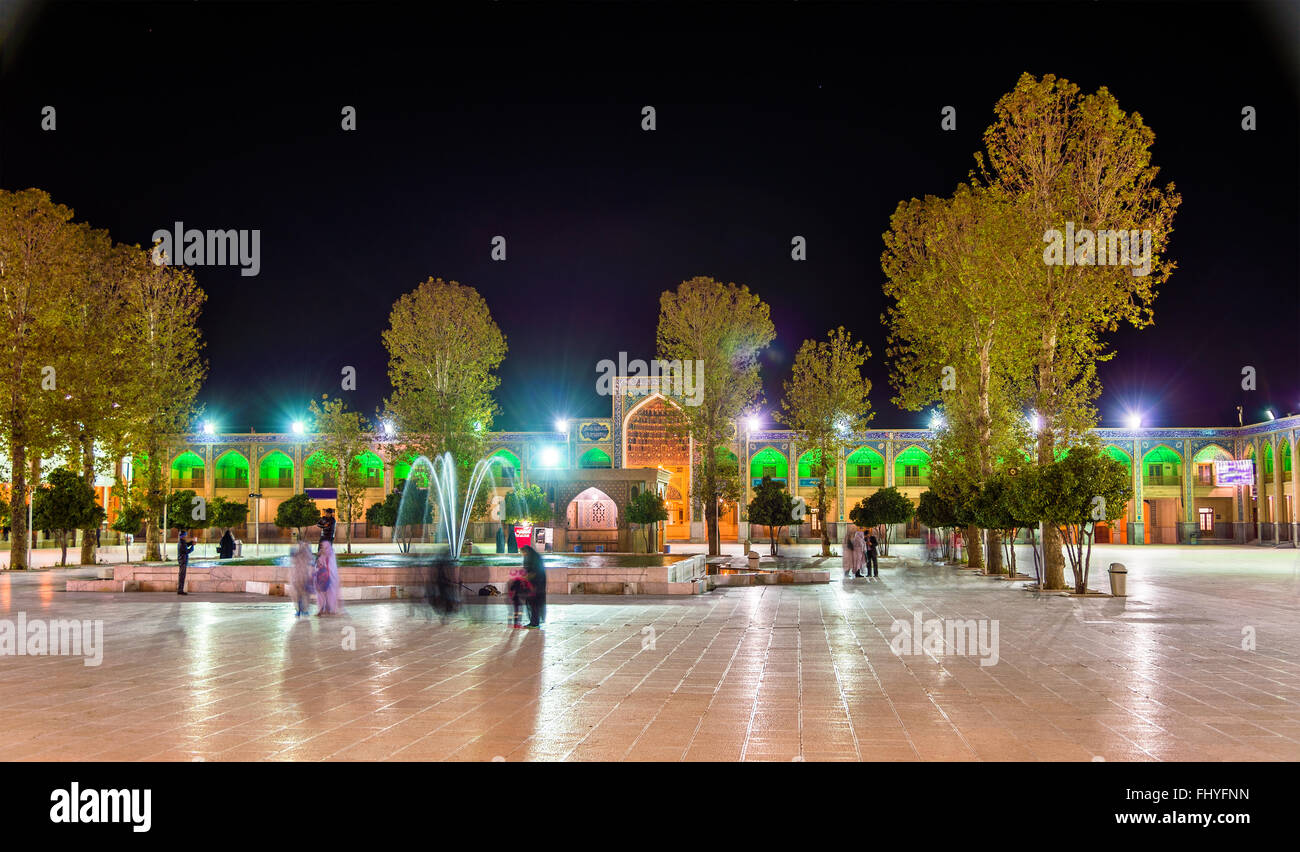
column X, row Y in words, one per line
column 517, row 589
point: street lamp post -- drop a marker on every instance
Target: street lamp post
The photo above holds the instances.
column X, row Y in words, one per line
column 257, row 520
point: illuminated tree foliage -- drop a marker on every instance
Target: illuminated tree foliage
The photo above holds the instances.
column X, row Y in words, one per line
column 160, row 334
column 725, row 327
column 443, row 352
column 953, row 338
column 826, row 403
column 1059, row 157
column 39, row 251
column 342, row 434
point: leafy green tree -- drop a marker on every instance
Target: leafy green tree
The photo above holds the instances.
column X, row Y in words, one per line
column 1084, row 488
column 40, row 254
column 159, row 329
column 300, row 512
column 1061, row 158
column 65, row 504
column 444, row 349
column 130, row 518
column 995, row 509
column 1024, row 497
column 645, row 509
column 342, row 434
column 406, row 519
column 937, row 514
column 526, row 505
column 226, row 514
column 885, row 507
column 826, row 404
column 951, row 337
column 725, row 328
column 772, row 507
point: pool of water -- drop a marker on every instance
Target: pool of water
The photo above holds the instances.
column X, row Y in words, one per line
column 397, row 560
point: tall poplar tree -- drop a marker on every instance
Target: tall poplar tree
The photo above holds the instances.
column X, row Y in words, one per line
column 725, row 328
column 826, row 403
column 1072, row 163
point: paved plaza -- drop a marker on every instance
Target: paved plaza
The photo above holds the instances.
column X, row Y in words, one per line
column 748, row 673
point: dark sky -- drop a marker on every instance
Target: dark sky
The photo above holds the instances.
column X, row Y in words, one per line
column 524, row 121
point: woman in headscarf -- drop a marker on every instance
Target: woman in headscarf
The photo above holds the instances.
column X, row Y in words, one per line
column 301, row 581
column 854, row 551
column 327, row 581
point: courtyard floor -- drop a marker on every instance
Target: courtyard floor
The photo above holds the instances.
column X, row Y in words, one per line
column 1200, row 662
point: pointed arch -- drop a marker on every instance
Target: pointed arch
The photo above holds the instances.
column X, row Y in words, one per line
column 231, row 470
column 769, row 461
column 275, row 470
column 912, row 466
column 865, row 466
column 595, row 458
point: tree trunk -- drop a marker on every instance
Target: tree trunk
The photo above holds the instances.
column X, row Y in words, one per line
column 821, row 513
column 974, row 551
column 63, row 548
column 1053, row 559
column 994, row 552
column 156, row 502
column 88, row 471
column 18, row 498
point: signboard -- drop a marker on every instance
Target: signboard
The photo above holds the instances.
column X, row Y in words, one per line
column 594, row 432
column 1237, row 472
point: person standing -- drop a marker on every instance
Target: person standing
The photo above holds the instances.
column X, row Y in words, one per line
column 301, row 580
column 328, row 594
column 183, row 549
column 535, row 576
column 873, row 564
column 326, row 524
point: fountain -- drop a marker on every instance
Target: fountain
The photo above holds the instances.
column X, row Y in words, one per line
column 416, row 509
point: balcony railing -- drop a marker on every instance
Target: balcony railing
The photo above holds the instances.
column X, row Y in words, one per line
column 1165, row 479
column 915, row 480
column 276, row 482
column 194, row 484
column 321, row 480
column 232, row 481
column 865, row 480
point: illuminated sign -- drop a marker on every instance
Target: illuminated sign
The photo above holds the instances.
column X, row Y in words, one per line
column 1238, row 472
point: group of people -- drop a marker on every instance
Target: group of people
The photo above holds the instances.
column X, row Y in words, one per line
column 527, row 586
column 319, row 573
column 860, row 554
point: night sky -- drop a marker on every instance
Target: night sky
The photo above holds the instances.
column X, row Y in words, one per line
column 525, row 121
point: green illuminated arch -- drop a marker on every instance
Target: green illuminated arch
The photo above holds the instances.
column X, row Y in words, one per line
column 275, row 471
column 372, row 468
column 1120, row 456
column 232, row 470
column 1211, row 453
column 187, row 471
column 319, row 471
column 1161, row 466
column 511, row 460
column 772, row 460
column 810, row 464
column 1285, row 453
column 865, row 466
column 913, row 457
column 595, row 458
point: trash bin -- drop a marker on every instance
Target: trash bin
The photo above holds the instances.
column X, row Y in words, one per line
column 239, row 547
column 1118, row 579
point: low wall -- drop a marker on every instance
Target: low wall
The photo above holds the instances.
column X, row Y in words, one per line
column 677, row 578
